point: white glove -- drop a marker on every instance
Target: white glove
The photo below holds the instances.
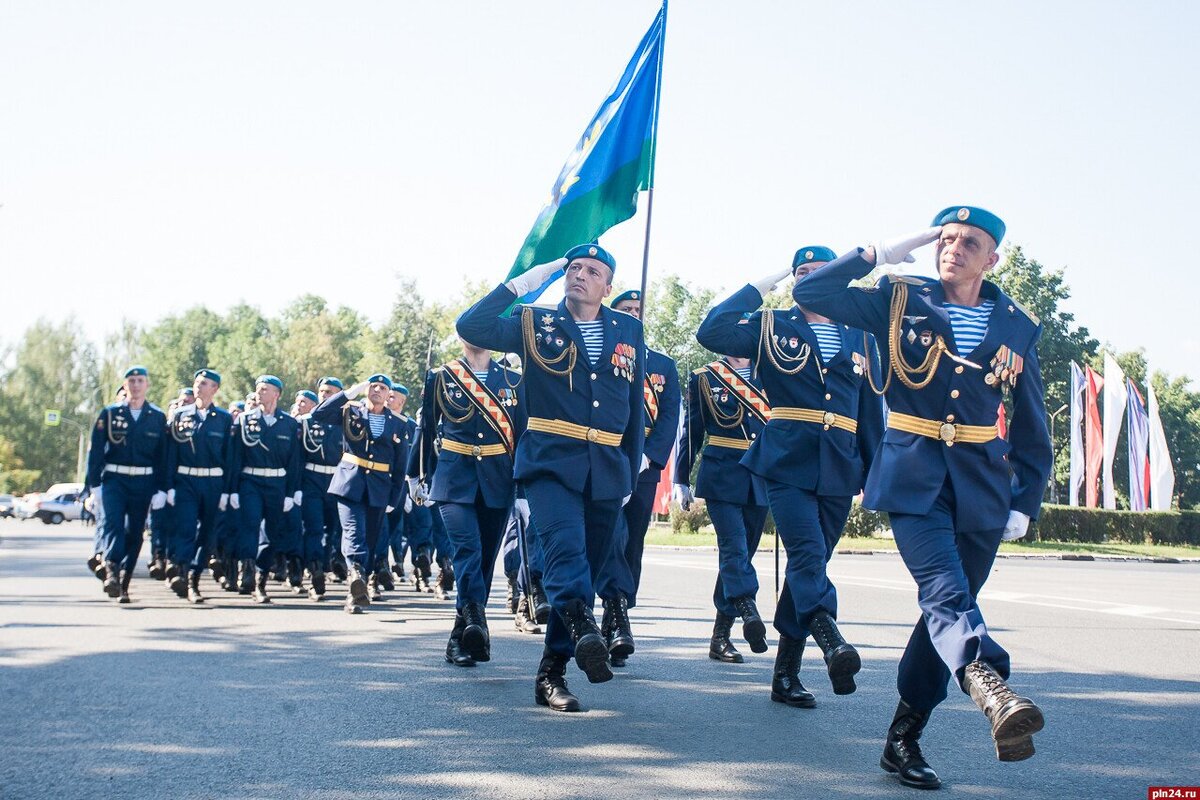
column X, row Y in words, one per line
column 1017, row 527
column 158, row 500
column 766, row 283
column 521, row 506
column 682, row 495
column 417, row 491
column 288, row 505
column 407, row 504
column 534, row 277
column 625, row 500
column 389, row 509
column 357, row 389
column 298, row 497
column 170, row 497
column 223, row 503
column 94, row 503
column 898, row 250
column 645, row 464
column 234, row 502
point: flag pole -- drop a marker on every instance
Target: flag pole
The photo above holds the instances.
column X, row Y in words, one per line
column 653, row 157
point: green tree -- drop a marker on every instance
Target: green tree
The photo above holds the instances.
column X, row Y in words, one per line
column 673, row 314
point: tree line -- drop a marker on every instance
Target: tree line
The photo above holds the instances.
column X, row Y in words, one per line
column 55, row 366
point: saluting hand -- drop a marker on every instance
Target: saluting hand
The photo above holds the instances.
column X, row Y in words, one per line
column 357, row 389
column 534, row 277
column 898, row 250
column 768, row 282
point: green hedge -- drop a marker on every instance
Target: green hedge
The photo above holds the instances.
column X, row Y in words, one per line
column 1072, row 524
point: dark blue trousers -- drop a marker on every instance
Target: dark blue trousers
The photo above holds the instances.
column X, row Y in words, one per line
column 739, row 530
column 126, row 500
column 322, row 527
column 950, row 568
column 397, row 536
column 512, row 552
column 577, row 537
column 809, row 526
column 476, row 532
column 443, row 548
column 227, row 532
column 195, row 520
column 362, row 528
column 261, row 521
column 622, row 572
column 418, row 529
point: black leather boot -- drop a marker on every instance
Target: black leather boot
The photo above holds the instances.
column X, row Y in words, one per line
column 513, row 597
column 902, row 750
column 785, row 683
column 217, row 567
column 541, row 605
column 421, row 561
column 260, row 589
column 177, row 579
column 193, row 594
column 448, row 575
column 550, row 686
column 373, row 587
column 1014, row 718
column 591, row 651
column 316, row 581
column 719, row 646
column 295, row 574
column 753, row 629
column 384, row 576
column 456, row 654
column 246, row 576
column 338, row 567
column 96, row 566
column 112, row 580
column 358, row 586
column 620, row 638
column 229, row 582
column 158, row 569
column 126, row 577
column 841, row 659
column 439, row 585
column 522, row 619
column 420, row 582
column 475, row 638
column 279, row 568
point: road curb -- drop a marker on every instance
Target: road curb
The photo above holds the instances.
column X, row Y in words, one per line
column 1019, row 556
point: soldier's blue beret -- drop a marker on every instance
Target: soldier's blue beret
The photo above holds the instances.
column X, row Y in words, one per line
column 270, row 380
column 187, row 390
column 592, row 251
column 311, row 395
column 138, row 370
column 240, row 405
column 211, row 374
column 632, row 294
column 807, row 255
column 401, row 388
column 379, row 377
column 330, row 381
column 981, row 218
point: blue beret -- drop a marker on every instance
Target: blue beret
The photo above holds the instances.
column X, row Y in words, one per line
column 240, row 405
column 379, row 377
column 311, row 395
column 807, row 255
column 330, row 381
column 592, row 251
column 401, row 388
column 187, row 390
column 211, row 374
column 632, row 294
column 271, row 380
column 981, row 218
column 138, row 370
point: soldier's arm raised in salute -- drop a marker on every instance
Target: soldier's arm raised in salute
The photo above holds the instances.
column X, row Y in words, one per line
column 482, row 325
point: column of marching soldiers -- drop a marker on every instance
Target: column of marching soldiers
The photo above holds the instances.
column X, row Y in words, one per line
column 556, row 464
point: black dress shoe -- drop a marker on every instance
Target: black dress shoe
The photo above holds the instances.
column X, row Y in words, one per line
column 591, row 651
column 1014, row 718
column 719, row 646
column 753, row 629
column 841, row 659
column 902, row 750
column 785, row 682
column 550, row 685
column 475, row 637
column 456, row 653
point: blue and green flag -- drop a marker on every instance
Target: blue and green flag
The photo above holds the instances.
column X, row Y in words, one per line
column 611, row 163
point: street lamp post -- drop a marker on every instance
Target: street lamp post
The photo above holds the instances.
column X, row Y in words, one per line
column 1054, row 453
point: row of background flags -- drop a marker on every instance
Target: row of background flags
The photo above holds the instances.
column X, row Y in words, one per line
column 1099, row 404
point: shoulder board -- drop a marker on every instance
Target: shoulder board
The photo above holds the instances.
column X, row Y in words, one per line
column 438, row 369
column 699, row 370
column 1032, row 317
column 911, row 280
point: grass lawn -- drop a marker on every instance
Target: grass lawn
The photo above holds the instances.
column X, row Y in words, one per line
column 663, row 535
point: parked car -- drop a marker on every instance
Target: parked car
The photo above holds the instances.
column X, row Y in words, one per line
column 8, row 506
column 60, row 502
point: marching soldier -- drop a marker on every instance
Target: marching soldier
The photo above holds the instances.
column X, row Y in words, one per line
column 409, row 528
column 580, row 456
column 369, row 476
column 197, row 456
column 471, row 419
column 223, row 561
column 322, row 444
column 726, row 403
column 953, row 488
column 621, row 576
column 264, row 483
column 126, row 469
column 813, row 456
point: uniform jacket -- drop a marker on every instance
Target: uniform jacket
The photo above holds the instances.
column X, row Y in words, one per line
column 988, row 479
column 606, row 397
column 662, row 380
column 447, row 413
column 722, row 476
column 803, row 454
column 117, row 438
column 204, row 444
column 358, row 484
column 321, row 444
column 254, row 444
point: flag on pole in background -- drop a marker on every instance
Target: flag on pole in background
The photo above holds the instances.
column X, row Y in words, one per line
column 1138, row 440
column 1095, row 436
column 613, row 160
column 1114, row 413
column 1075, row 482
column 1162, row 474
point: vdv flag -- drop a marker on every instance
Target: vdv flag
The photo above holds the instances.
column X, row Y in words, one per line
column 611, row 163
column 1077, row 453
column 1139, row 450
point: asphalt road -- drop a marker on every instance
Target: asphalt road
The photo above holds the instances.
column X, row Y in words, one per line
column 298, row 700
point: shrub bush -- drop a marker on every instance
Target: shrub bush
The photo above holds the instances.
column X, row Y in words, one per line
column 1072, row 524
column 865, row 522
column 689, row 521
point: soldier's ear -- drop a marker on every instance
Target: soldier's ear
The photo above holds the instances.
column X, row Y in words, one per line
column 993, row 259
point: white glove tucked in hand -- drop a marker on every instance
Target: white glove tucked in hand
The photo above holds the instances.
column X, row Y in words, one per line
column 170, row 497
column 357, row 389
column 288, row 505
column 682, row 495
column 521, row 506
column 234, row 502
column 94, row 503
column 645, row 464
column 407, row 504
column 223, row 502
column 534, row 277
column 625, row 500
column 768, row 282
column 389, row 509
column 298, row 497
column 898, row 250
column 417, row 491
column 1017, row 527
column 158, row 500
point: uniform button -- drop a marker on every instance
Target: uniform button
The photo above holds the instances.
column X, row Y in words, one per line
column 825, row 370
column 949, row 418
column 828, row 397
column 593, row 376
column 480, row 435
column 954, row 393
column 753, row 435
column 595, row 404
column 958, row 370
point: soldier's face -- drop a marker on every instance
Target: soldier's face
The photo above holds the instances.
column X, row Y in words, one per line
column 377, row 393
column 205, row 389
column 631, row 307
column 136, row 386
column 304, row 405
column 964, row 254
column 396, row 401
column 588, row 280
column 326, row 391
column 807, row 269
column 187, row 399
column 268, row 395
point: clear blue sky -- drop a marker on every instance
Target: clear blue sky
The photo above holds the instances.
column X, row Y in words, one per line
column 158, row 155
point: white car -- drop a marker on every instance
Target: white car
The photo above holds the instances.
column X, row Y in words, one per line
column 60, row 502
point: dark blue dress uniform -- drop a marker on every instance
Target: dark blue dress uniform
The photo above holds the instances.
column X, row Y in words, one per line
column 322, row 452
column 736, row 498
column 579, row 457
column 128, row 462
column 397, row 534
column 815, row 452
column 264, row 468
column 465, row 456
column 197, row 463
column 945, row 477
column 369, row 476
